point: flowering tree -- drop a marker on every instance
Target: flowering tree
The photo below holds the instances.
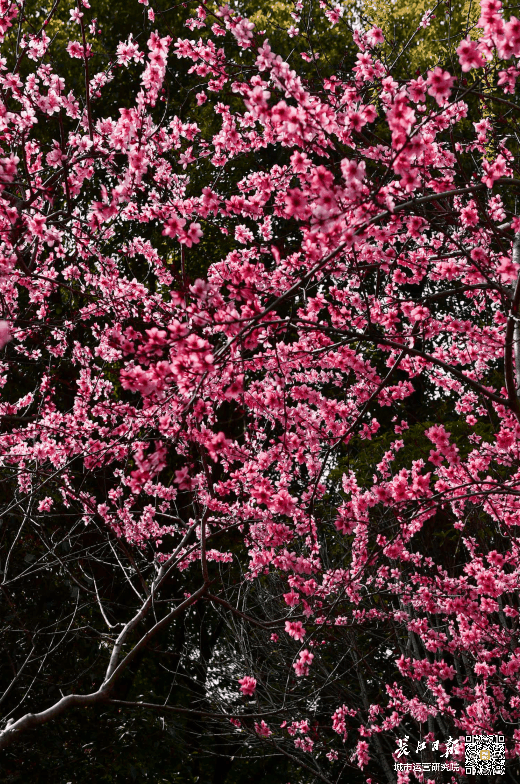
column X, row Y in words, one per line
column 272, row 437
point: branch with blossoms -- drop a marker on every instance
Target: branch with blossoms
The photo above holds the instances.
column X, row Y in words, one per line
column 327, row 416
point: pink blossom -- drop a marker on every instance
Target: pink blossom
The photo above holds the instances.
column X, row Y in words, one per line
column 283, row 503
column 262, row 729
column 295, row 629
column 45, row 505
column 375, row 36
column 75, row 49
column 174, row 226
column 469, row 55
column 417, row 89
column 302, row 665
column 495, row 170
column 243, row 234
column 243, row 32
column 247, row 685
column 192, row 236
column 291, row 598
column 362, row 754
column 440, row 83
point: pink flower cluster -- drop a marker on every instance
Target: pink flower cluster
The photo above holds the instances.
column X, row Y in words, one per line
column 302, row 665
column 247, row 685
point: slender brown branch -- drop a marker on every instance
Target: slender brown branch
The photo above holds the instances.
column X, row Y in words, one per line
column 218, row 600
column 300, row 762
column 87, row 77
column 30, row 720
column 191, row 711
column 511, row 348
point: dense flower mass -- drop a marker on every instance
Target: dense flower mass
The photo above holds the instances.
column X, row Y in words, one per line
column 363, row 267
